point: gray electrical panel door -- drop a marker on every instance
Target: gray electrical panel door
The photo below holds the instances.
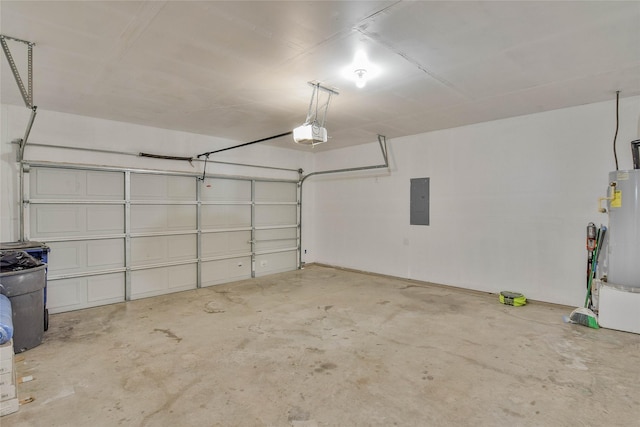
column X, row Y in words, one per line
column 419, row 201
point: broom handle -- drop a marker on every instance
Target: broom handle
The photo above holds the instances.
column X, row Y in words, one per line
column 591, row 273
column 594, row 262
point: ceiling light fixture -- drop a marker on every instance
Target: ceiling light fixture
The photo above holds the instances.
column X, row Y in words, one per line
column 361, row 79
column 361, row 70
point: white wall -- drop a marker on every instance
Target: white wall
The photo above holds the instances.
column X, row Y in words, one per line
column 510, row 201
column 53, row 128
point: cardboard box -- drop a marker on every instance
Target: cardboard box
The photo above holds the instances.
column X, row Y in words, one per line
column 6, row 350
column 8, row 386
column 6, row 357
column 6, row 366
column 9, row 407
column 7, row 379
column 7, row 392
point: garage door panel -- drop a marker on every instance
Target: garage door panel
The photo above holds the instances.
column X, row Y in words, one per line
column 83, row 292
column 181, row 188
column 48, row 220
column 276, row 215
column 84, row 256
column 228, row 190
column 66, row 257
column 56, row 183
column 162, row 187
column 276, row 263
column 105, row 289
column 53, row 220
column 47, row 183
column 64, row 295
column 159, row 249
column 276, row 239
column 105, row 219
column 148, row 250
column 105, row 185
column 159, row 218
column 182, row 277
column 103, row 254
column 226, row 243
column 148, row 282
column 225, row 216
column 276, row 191
column 225, row 270
column 148, row 218
column 163, row 280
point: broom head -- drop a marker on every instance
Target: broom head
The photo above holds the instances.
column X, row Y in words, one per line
column 584, row 316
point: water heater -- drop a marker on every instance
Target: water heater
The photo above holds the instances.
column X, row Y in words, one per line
column 624, row 228
column 619, row 296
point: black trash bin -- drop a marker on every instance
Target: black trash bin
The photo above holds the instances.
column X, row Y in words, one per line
column 39, row 251
column 24, row 286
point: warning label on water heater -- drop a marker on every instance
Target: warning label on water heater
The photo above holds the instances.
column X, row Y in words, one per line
column 617, row 199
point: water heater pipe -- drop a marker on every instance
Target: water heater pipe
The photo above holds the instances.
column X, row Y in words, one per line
column 612, row 186
column 635, row 153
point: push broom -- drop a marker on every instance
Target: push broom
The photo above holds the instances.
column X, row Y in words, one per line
column 583, row 315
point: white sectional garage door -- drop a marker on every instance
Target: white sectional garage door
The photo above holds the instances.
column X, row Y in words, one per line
column 117, row 235
column 275, row 224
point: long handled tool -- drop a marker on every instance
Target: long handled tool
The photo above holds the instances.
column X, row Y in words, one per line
column 584, row 315
column 594, row 265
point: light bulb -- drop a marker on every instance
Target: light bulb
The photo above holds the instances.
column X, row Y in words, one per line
column 361, row 81
column 361, row 70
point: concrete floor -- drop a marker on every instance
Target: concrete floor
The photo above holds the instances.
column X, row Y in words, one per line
column 328, row 347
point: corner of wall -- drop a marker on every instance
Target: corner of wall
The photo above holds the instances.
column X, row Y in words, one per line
column 8, row 181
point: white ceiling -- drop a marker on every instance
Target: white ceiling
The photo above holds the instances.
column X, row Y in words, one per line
column 240, row 69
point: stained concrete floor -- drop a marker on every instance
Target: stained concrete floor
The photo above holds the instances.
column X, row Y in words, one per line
column 327, row 347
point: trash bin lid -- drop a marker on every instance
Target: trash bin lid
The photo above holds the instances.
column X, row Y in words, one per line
column 22, row 245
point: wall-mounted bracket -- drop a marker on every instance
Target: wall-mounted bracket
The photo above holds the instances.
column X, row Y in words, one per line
column 27, row 93
column 27, row 96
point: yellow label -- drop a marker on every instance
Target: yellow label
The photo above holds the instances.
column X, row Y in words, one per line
column 617, row 199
